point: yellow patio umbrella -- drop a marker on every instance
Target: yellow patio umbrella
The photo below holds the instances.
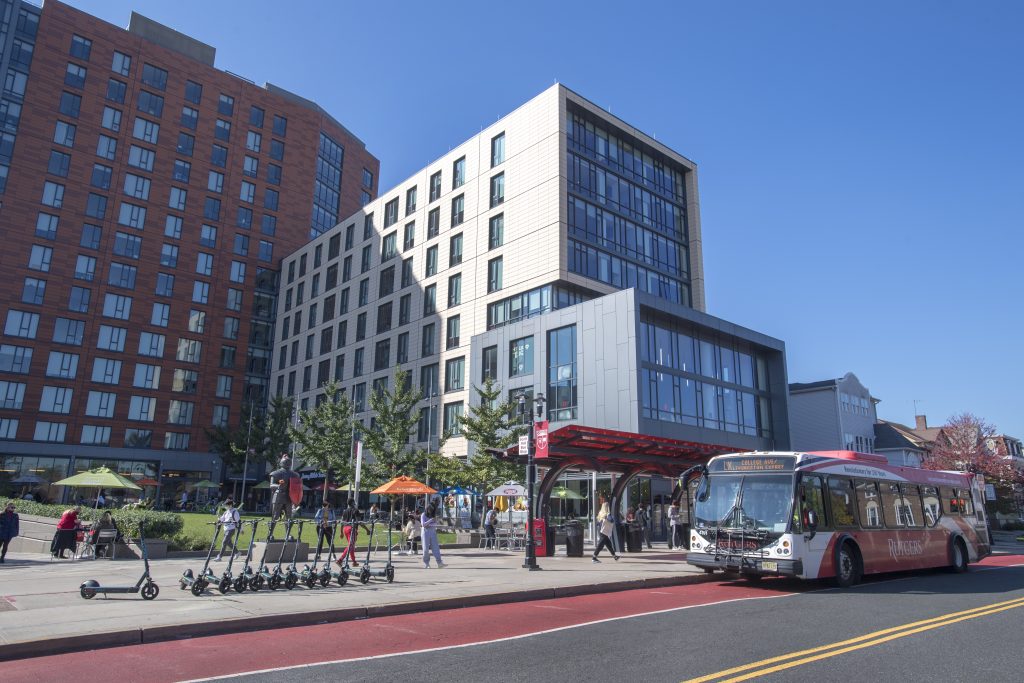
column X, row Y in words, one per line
column 99, row 478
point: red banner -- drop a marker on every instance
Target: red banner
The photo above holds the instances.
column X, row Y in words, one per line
column 540, row 438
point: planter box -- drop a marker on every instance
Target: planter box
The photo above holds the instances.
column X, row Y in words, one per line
column 157, row 550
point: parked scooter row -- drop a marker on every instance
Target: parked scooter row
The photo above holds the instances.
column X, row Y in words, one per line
column 255, row 578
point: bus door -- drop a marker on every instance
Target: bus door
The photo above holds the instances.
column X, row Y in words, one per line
column 811, row 498
column 980, row 518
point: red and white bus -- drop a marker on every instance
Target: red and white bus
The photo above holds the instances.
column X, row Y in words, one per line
column 833, row 514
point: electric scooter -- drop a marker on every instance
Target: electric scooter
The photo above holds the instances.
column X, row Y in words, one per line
column 241, row 582
column 226, row 579
column 199, row 583
column 325, row 572
column 388, row 571
column 274, row 578
column 291, row 576
column 145, row 585
column 309, row 574
column 257, row 579
column 345, row 569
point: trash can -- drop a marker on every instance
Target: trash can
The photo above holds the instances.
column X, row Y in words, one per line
column 634, row 537
column 573, row 538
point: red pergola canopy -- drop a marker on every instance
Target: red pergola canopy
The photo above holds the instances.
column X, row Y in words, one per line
column 608, row 450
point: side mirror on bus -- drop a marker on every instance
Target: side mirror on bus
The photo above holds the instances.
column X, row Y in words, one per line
column 812, row 520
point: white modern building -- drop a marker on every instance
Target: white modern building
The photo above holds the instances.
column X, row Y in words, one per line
column 497, row 260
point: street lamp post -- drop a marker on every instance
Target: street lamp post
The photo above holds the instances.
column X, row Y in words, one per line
column 530, row 562
column 245, row 467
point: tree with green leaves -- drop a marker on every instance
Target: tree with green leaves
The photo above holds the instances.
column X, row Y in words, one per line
column 266, row 436
column 394, row 423
column 492, row 424
column 445, row 470
column 324, row 435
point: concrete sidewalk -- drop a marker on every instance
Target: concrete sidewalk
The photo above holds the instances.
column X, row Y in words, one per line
column 41, row 611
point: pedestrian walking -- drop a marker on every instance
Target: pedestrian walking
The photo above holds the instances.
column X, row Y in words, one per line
column 643, row 516
column 350, row 516
column 9, row 528
column 324, row 518
column 605, row 530
column 183, row 505
column 428, row 523
column 229, row 522
column 673, row 525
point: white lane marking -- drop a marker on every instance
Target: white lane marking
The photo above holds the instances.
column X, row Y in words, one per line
column 442, row 648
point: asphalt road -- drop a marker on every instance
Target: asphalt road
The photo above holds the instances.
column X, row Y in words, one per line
column 911, row 627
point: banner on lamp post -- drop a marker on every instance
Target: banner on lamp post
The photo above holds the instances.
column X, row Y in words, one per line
column 540, row 438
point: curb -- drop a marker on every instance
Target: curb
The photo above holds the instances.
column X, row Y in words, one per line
column 156, row 634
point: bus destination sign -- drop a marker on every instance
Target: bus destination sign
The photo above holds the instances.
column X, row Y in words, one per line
column 754, row 464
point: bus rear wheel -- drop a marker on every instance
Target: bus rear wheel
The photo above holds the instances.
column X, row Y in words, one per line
column 848, row 569
column 959, row 557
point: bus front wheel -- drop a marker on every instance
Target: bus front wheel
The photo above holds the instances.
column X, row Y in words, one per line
column 848, row 569
column 959, row 553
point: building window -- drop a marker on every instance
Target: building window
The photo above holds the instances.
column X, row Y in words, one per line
column 427, row 339
column 489, row 366
column 64, row 134
column 138, row 438
column 154, row 76
column 189, row 118
column 458, row 204
column 121, row 64
column 33, row 291
column 161, row 316
column 111, row 119
column 458, row 173
column 496, row 231
column 85, row 268
column 146, row 376
column 142, row 408
column 270, row 199
column 409, row 236
column 50, row 431
column 182, row 172
column 40, row 257
column 111, row 338
column 253, row 141
column 116, row 90
column 78, row 301
column 53, row 194
column 431, row 261
column 106, row 371
column 177, row 441
column 455, row 290
column 151, row 104
column 117, row 306
column 562, row 377
column 56, row 400
column 140, row 157
column 80, row 47
column 454, row 374
column 455, row 250
column 180, row 412
column 164, row 284
column 520, row 357
column 497, row 149
column 367, row 179
column 147, row 131
column 494, row 274
column 226, row 105
column 136, row 186
column 221, row 130
column 96, row 206
column 17, row 359
column 59, row 164
column 62, row 365
column 497, row 190
column 185, row 381
column 430, row 300
column 452, row 335
column 193, row 92
column 91, row 236
column 280, row 126
column 255, row 116
column 12, row 395
column 453, row 418
column 100, row 404
column 186, row 144
column 219, row 156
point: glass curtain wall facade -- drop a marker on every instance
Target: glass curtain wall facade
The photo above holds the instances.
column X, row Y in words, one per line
column 327, row 186
column 626, row 212
column 19, row 23
column 689, row 378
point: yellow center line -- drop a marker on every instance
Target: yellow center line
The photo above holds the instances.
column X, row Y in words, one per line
column 866, row 640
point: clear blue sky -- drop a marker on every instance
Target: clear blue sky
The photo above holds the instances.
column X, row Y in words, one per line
column 861, row 164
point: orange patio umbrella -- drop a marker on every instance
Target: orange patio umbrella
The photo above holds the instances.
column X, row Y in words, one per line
column 402, row 486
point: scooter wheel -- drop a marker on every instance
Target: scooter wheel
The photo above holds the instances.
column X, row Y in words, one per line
column 389, row 573
column 310, row 580
column 240, row 585
column 291, row 581
column 88, row 589
column 325, row 579
column 150, row 591
column 256, row 583
column 224, row 586
column 274, row 583
column 197, row 588
column 182, row 585
column 364, row 576
column 342, row 577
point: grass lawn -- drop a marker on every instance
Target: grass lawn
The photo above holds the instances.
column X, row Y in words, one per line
column 197, row 525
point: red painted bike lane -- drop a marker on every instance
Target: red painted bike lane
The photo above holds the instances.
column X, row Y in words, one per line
column 244, row 652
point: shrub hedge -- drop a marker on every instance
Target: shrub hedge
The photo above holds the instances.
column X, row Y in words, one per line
column 158, row 524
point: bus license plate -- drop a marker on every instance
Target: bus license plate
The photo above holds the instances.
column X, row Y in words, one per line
column 770, row 566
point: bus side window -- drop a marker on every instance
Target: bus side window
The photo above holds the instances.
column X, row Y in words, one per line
column 964, row 498
column 891, row 504
column 813, row 499
column 950, row 502
column 840, row 494
column 868, row 504
column 932, row 511
column 910, row 505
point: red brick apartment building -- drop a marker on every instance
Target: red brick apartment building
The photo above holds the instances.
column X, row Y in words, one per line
column 146, row 199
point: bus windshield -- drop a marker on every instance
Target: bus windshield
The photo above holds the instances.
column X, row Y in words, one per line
column 746, row 501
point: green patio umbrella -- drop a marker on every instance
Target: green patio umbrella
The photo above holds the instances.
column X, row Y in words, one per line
column 565, row 493
column 99, row 478
column 205, row 484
